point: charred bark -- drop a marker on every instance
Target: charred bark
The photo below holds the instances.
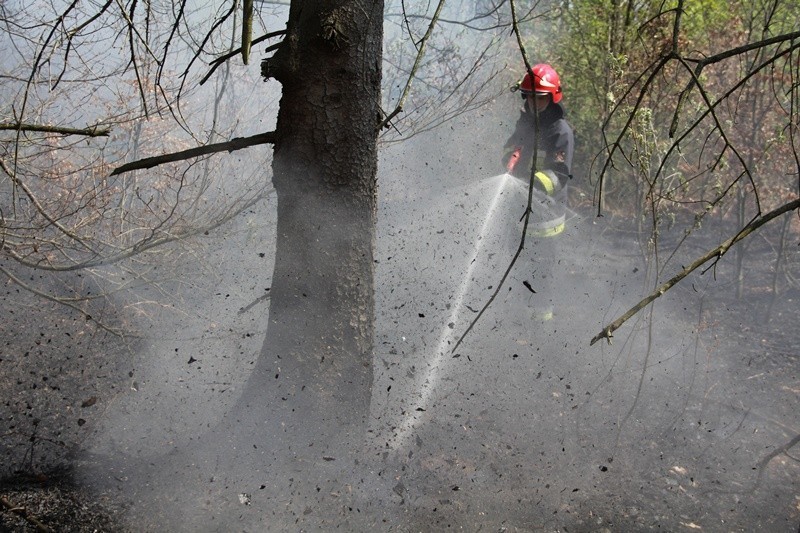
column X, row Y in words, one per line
column 315, row 369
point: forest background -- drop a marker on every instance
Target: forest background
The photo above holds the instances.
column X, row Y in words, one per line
column 685, row 117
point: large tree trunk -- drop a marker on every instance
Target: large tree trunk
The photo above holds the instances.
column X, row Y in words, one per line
column 314, row 374
column 296, row 429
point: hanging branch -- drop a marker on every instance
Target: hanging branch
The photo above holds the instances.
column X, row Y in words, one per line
column 716, row 254
column 175, row 110
column 229, row 146
column 717, row 103
column 168, row 42
column 659, row 65
column 526, row 216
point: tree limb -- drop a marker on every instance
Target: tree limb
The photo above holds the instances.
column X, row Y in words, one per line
column 229, row 146
column 92, row 131
column 221, row 59
column 745, row 48
column 717, row 252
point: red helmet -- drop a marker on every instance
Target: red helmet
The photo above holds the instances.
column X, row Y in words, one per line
column 542, row 79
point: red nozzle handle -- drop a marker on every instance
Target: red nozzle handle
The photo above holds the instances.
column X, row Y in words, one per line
column 514, row 159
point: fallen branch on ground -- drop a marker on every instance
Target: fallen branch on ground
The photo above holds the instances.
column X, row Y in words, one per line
column 21, row 511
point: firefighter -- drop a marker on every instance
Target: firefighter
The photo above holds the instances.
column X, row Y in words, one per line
column 542, row 125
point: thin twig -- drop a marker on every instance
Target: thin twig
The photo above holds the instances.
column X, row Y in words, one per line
column 57, row 300
column 420, row 54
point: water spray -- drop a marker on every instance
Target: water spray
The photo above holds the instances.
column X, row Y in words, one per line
column 436, row 366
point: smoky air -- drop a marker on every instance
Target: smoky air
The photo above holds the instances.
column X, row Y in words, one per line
column 218, row 316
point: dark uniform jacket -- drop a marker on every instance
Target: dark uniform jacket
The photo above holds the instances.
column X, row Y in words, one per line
column 556, row 143
column 554, row 168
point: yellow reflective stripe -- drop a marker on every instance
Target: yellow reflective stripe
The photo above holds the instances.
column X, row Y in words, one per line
column 549, row 228
column 546, row 182
column 549, row 232
column 543, row 315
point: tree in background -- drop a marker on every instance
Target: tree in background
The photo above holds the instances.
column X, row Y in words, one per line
column 699, row 114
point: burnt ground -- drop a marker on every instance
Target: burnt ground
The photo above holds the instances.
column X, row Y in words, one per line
column 59, row 371
column 688, row 426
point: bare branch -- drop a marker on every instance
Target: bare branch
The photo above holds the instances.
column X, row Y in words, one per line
column 229, row 146
column 92, row 131
column 39, row 207
column 468, row 23
column 717, row 252
column 420, row 54
column 201, row 46
column 75, row 31
column 168, row 42
column 221, row 59
column 527, row 214
column 710, row 108
column 746, row 48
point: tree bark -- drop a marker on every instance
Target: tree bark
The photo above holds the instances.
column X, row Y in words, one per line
column 315, row 369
